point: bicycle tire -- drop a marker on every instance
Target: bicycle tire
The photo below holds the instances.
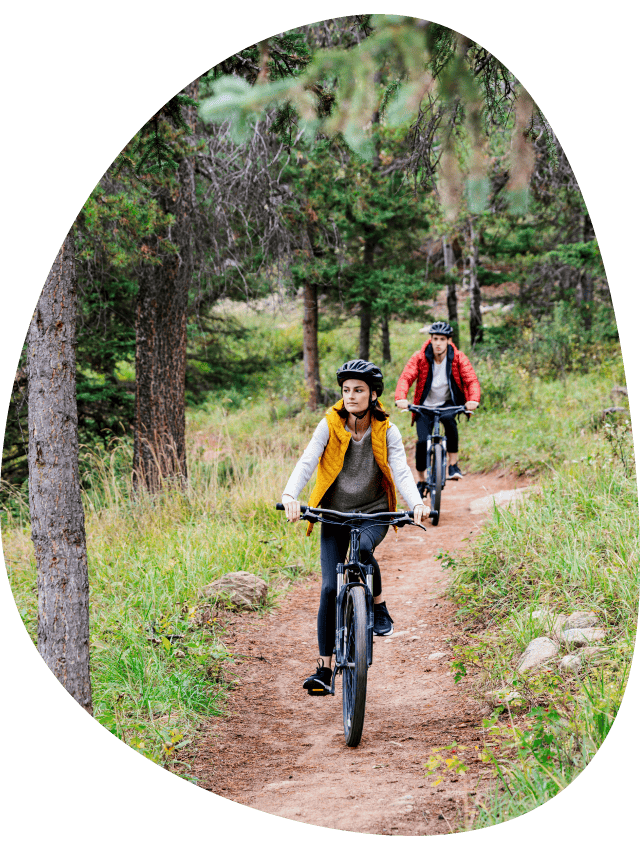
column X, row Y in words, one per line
column 354, row 678
column 436, row 478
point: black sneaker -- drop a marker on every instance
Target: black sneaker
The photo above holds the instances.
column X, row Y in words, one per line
column 454, row 472
column 382, row 622
column 319, row 683
column 422, row 488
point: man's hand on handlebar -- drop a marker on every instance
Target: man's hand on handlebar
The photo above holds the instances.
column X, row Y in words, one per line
column 291, row 508
column 402, row 404
column 471, row 405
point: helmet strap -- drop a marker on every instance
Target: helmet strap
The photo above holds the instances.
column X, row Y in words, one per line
column 372, row 404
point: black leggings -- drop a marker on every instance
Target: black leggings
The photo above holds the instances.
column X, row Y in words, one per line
column 334, row 542
column 424, row 426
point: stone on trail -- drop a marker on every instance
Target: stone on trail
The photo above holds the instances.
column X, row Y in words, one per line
column 552, row 623
column 501, row 499
column 436, row 655
column 583, row 637
column 539, row 651
column 581, row 620
column 571, row 663
column 593, row 651
column 241, row 589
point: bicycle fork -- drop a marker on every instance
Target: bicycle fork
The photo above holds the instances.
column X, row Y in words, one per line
column 342, row 587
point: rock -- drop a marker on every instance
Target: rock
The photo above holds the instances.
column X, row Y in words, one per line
column 501, row 696
column 583, row 637
column 593, row 651
column 436, row 655
column 501, row 499
column 536, row 654
column 581, row 620
column 557, row 627
column 241, row 589
column 552, row 623
column 571, row 663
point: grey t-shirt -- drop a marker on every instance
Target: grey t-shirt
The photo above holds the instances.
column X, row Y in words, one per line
column 396, row 456
column 439, row 391
column 358, row 486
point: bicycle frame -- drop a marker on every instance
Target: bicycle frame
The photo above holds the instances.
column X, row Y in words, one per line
column 436, row 438
column 353, row 572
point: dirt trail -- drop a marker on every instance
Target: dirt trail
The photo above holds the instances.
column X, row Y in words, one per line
column 283, row 752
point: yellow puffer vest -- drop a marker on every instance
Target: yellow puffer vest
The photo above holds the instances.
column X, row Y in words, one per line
column 332, row 460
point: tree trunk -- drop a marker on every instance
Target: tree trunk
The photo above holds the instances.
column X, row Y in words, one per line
column 452, row 294
column 365, row 331
column 161, row 335
column 386, row 341
column 57, row 516
column 371, row 241
column 310, row 345
column 365, row 306
column 475, row 313
column 159, row 452
column 586, row 298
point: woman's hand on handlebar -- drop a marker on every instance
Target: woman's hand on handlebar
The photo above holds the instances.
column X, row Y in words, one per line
column 420, row 511
column 291, row 508
column 471, row 405
column 402, row 403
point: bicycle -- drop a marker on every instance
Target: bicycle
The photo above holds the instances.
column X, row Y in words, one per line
column 354, row 612
column 436, row 454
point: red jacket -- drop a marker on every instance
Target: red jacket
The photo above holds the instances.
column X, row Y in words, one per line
column 463, row 383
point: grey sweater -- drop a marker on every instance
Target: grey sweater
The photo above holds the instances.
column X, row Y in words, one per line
column 358, row 486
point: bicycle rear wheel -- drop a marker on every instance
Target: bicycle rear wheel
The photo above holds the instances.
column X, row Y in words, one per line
column 354, row 675
column 436, row 479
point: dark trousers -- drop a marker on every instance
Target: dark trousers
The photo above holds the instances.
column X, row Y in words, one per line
column 334, row 542
column 424, row 426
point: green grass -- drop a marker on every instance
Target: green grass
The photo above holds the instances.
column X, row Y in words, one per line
column 572, row 546
column 159, row 660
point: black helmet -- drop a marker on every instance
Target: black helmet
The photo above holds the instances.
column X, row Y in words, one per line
column 443, row 328
column 365, row 371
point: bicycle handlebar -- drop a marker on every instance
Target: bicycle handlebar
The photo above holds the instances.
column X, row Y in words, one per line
column 392, row 515
column 422, row 408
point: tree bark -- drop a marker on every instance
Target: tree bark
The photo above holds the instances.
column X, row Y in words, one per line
column 159, row 451
column 365, row 306
column 386, row 341
column 475, row 300
column 310, row 345
column 452, row 294
column 57, row 515
column 365, row 331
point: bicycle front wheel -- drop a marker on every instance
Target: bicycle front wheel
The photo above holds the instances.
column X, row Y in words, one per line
column 436, row 479
column 354, row 674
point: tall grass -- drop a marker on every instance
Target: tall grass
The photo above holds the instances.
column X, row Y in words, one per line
column 572, row 546
column 159, row 660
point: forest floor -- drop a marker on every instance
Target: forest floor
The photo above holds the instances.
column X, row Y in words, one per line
column 283, row 752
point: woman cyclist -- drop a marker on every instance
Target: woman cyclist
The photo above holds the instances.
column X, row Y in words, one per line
column 359, row 455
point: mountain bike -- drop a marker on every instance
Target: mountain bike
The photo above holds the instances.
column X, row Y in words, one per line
column 436, row 454
column 354, row 612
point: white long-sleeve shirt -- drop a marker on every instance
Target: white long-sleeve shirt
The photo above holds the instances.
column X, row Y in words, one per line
column 396, row 456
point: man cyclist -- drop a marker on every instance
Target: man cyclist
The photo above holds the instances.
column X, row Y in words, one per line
column 444, row 377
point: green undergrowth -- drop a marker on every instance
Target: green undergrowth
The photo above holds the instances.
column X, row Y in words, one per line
column 572, row 545
column 159, row 660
